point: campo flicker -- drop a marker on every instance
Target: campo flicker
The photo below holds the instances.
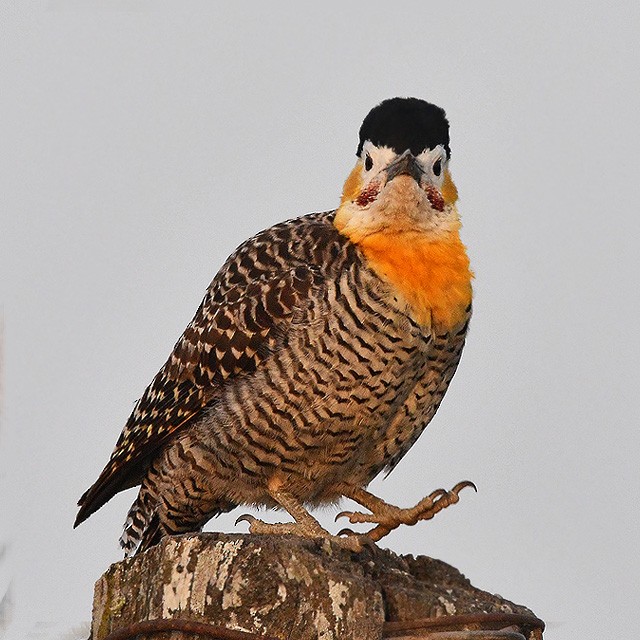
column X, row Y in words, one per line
column 322, row 349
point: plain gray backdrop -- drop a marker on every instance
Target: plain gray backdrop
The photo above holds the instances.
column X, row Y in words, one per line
column 141, row 141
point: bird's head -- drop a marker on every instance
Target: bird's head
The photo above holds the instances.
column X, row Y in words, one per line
column 401, row 180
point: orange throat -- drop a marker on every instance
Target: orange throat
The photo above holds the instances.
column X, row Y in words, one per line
column 430, row 273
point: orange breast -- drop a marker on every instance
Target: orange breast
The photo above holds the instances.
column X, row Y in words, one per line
column 432, row 275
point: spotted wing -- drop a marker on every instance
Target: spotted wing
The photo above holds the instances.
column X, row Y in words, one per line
column 234, row 329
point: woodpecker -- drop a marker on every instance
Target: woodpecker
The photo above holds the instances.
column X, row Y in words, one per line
column 322, row 349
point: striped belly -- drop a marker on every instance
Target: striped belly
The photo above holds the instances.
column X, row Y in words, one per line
column 422, row 403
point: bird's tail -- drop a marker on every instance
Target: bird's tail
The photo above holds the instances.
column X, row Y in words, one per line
column 142, row 528
column 145, row 525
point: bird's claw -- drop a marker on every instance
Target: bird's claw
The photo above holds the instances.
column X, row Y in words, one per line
column 245, row 517
column 388, row 517
column 461, row 485
column 355, row 541
column 351, row 515
column 346, row 539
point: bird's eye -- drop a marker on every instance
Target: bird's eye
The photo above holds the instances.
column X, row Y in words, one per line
column 368, row 163
column 437, row 167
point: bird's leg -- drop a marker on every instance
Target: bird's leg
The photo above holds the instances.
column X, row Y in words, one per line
column 388, row 517
column 305, row 524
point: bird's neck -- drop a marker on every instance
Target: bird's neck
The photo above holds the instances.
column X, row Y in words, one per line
column 415, row 249
column 431, row 274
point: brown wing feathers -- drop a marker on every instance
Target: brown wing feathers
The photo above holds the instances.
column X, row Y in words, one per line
column 232, row 331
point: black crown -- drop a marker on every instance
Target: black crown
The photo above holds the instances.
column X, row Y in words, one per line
column 406, row 123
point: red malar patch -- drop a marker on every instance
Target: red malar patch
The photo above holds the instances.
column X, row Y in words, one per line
column 435, row 198
column 368, row 195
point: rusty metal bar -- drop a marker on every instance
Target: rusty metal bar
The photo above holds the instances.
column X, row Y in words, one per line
column 480, row 626
column 484, row 622
column 480, row 634
column 185, row 626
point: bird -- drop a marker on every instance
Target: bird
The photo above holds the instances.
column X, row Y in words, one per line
column 321, row 350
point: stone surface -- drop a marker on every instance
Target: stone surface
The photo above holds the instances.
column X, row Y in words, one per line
column 282, row 586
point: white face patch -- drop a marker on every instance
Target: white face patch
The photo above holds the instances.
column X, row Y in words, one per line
column 433, row 163
column 402, row 203
column 381, row 157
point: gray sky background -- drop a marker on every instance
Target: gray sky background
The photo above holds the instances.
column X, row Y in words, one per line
column 141, row 142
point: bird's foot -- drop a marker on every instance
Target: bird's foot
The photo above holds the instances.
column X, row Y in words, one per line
column 388, row 517
column 306, row 529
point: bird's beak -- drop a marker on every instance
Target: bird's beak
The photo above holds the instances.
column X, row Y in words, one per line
column 405, row 165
